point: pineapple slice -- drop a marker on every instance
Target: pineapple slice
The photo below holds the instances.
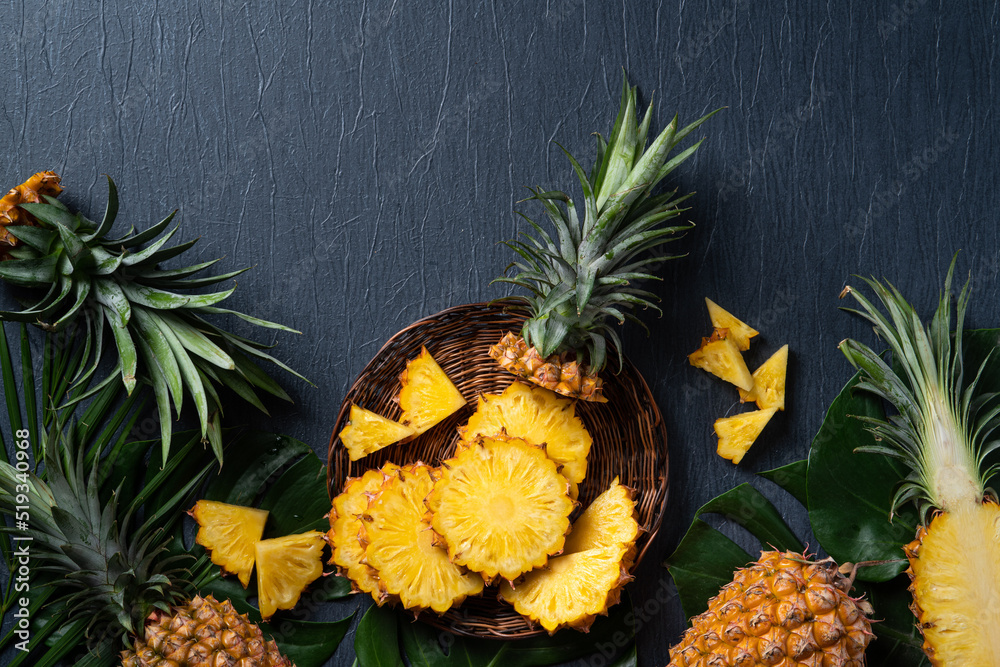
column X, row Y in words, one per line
column 608, row 521
column 367, row 432
column 539, row 417
column 720, row 356
column 740, row 331
column 403, row 548
column 769, row 382
column 738, row 432
column 346, row 525
column 229, row 533
column 572, row 590
column 427, row 396
column 502, row 507
column 285, row 566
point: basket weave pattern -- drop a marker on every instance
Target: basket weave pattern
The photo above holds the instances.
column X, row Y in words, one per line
column 629, row 435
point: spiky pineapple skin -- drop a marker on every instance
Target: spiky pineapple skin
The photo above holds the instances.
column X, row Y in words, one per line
column 29, row 192
column 784, row 611
column 560, row 373
column 203, row 633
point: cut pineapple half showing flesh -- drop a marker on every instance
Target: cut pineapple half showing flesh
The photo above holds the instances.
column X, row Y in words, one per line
column 404, row 550
column 428, row 395
column 608, row 521
column 740, row 331
column 285, row 566
column 572, row 590
column 720, row 356
column 367, row 432
column 502, row 507
column 539, row 417
column 769, row 382
column 346, row 526
column 229, row 532
column 738, row 432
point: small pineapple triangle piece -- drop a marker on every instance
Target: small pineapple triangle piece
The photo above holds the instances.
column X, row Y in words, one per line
column 428, row 395
column 572, row 590
column 608, row 521
column 769, row 382
column 367, row 432
column 720, row 356
column 229, row 533
column 740, row 331
column 285, row 566
column 346, row 527
column 502, row 507
column 401, row 546
column 738, row 433
column 539, row 417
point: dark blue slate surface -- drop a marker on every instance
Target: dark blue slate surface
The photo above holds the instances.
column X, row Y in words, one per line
column 367, row 158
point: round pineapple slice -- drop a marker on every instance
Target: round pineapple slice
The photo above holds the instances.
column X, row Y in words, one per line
column 427, row 395
column 537, row 416
column 572, row 590
column 502, row 507
column 404, row 550
column 229, row 533
column 611, row 520
column 285, row 566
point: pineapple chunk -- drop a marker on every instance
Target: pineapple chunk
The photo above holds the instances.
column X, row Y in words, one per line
column 346, row 525
column 405, row 551
column 285, row 566
column 609, row 520
column 502, row 507
column 229, row 533
column 740, row 331
column 427, row 396
column 572, row 590
column 367, row 432
column 539, row 417
column 738, row 432
column 720, row 356
column 769, row 382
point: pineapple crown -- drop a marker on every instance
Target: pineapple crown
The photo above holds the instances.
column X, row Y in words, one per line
column 944, row 427
column 84, row 275
column 587, row 275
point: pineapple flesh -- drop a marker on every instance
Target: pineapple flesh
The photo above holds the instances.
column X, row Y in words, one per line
column 739, row 331
column 769, row 382
column 539, row 417
column 367, row 432
column 783, row 609
column 502, row 507
column 739, row 432
column 428, row 395
column 401, row 546
column 229, row 533
column 285, row 566
column 720, row 356
column 611, row 519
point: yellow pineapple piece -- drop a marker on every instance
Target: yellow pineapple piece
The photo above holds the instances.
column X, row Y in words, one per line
column 608, row 521
column 501, row 506
column 539, row 417
column 367, row 432
column 769, row 382
column 738, row 432
column 720, row 356
column 229, row 533
column 285, row 566
column 740, row 331
column 572, row 590
column 427, row 396
column 404, row 550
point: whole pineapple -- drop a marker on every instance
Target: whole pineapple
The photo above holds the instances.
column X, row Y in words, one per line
column 585, row 278
column 783, row 610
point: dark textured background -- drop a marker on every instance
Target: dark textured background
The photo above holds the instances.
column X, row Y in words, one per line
column 366, row 158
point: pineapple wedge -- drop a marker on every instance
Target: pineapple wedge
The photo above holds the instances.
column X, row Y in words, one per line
column 738, row 432
column 229, row 533
column 740, row 331
column 769, row 382
column 720, row 356
column 346, row 525
column 611, row 520
column 428, row 395
column 367, row 432
column 537, row 416
column 285, row 566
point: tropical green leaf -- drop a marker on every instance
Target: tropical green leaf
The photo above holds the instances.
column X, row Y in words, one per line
column 376, row 642
column 792, row 478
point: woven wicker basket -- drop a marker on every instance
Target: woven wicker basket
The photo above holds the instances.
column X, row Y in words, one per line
column 630, row 439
